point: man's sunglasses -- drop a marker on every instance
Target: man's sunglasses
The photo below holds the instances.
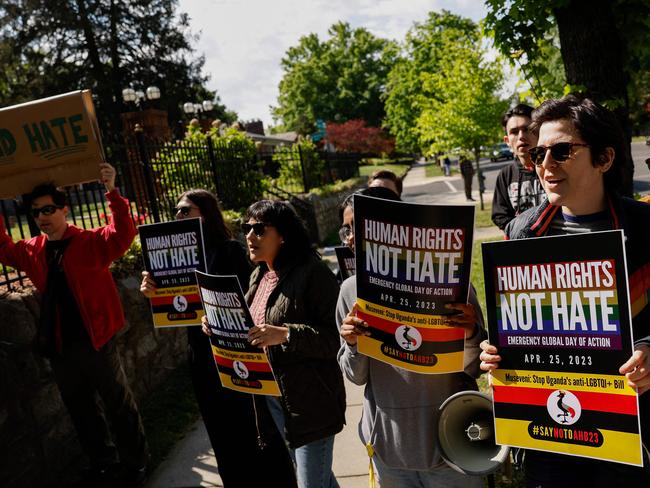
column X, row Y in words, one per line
column 560, row 152
column 183, row 210
column 45, row 210
column 258, row 228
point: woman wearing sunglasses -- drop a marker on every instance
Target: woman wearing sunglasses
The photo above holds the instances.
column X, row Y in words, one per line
column 229, row 416
column 579, row 161
column 292, row 297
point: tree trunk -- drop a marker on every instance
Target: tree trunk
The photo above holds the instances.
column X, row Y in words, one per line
column 592, row 52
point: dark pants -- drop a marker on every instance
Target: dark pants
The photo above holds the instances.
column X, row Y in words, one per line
column 467, row 179
column 230, row 420
column 547, row 470
column 84, row 377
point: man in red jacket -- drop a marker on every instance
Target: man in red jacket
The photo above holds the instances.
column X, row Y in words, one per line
column 80, row 314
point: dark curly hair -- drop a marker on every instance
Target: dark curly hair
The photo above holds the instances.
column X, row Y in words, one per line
column 595, row 124
column 44, row 190
column 297, row 245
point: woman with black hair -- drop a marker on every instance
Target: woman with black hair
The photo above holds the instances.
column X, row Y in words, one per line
column 229, row 416
column 292, row 297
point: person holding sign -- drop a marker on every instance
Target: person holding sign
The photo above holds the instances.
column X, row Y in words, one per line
column 229, row 416
column 80, row 314
column 398, row 425
column 579, row 160
column 292, row 297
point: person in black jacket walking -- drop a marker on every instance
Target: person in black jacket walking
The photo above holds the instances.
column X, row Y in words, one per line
column 517, row 187
column 229, row 416
column 467, row 170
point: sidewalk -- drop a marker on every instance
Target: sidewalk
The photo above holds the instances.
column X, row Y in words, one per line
column 415, row 189
column 192, row 464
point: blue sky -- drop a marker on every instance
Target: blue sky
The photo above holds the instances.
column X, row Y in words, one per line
column 244, row 40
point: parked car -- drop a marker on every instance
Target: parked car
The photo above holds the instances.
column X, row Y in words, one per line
column 501, row 151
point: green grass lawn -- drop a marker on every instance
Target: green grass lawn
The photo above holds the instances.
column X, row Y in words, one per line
column 484, row 217
column 434, row 169
column 366, row 170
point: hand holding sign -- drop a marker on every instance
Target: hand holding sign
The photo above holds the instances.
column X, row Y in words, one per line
column 352, row 327
column 107, row 176
column 467, row 319
column 489, row 357
column 267, row 335
column 148, row 285
column 637, row 369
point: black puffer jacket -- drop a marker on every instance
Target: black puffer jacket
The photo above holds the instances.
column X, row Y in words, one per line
column 313, row 395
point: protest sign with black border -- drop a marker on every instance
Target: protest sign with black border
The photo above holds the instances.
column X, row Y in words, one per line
column 345, row 258
column 242, row 366
column 559, row 314
column 411, row 260
column 172, row 251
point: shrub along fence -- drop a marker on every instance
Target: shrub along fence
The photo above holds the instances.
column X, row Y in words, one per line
column 153, row 173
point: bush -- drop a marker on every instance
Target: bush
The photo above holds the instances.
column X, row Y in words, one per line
column 181, row 165
column 292, row 160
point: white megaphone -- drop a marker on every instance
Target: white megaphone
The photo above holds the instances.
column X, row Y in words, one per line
column 466, row 434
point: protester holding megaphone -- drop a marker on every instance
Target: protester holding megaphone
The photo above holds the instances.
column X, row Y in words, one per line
column 579, row 161
column 400, row 408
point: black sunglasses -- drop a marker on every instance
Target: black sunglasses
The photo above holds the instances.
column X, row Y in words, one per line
column 45, row 210
column 183, row 210
column 258, row 228
column 560, row 152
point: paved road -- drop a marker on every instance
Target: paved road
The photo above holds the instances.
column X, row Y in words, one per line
column 444, row 188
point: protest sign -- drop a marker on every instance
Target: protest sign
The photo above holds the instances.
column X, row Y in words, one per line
column 53, row 139
column 171, row 252
column 241, row 366
column 345, row 258
column 411, row 260
column 559, row 314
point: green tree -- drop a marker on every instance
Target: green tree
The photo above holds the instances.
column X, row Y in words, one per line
column 338, row 79
column 466, row 112
column 603, row 45
column 47, row 48
column 421, row 55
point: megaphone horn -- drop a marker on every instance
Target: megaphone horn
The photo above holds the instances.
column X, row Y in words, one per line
column 466, row 434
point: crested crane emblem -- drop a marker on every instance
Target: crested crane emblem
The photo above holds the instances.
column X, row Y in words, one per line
column 408, row 338
column 563, row 407
column 180, row 303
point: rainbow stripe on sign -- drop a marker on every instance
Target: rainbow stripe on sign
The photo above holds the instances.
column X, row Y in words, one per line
column 415, row 342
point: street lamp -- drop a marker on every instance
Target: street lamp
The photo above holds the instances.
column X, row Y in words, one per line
column 196, row 108
column 138, row 96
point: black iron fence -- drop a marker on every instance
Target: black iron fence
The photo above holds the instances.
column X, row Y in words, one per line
column 153, row 173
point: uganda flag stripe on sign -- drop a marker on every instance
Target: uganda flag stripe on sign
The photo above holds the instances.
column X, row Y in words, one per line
column 241, row 366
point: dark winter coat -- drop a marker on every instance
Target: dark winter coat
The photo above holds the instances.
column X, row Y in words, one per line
column 306, row 368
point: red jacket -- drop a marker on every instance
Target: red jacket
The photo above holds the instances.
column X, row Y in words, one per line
column 86, row 261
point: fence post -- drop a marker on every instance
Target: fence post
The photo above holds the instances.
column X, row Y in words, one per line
column 148, row 179
column 304, row 173
column 213, row 164
column 329, row 166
